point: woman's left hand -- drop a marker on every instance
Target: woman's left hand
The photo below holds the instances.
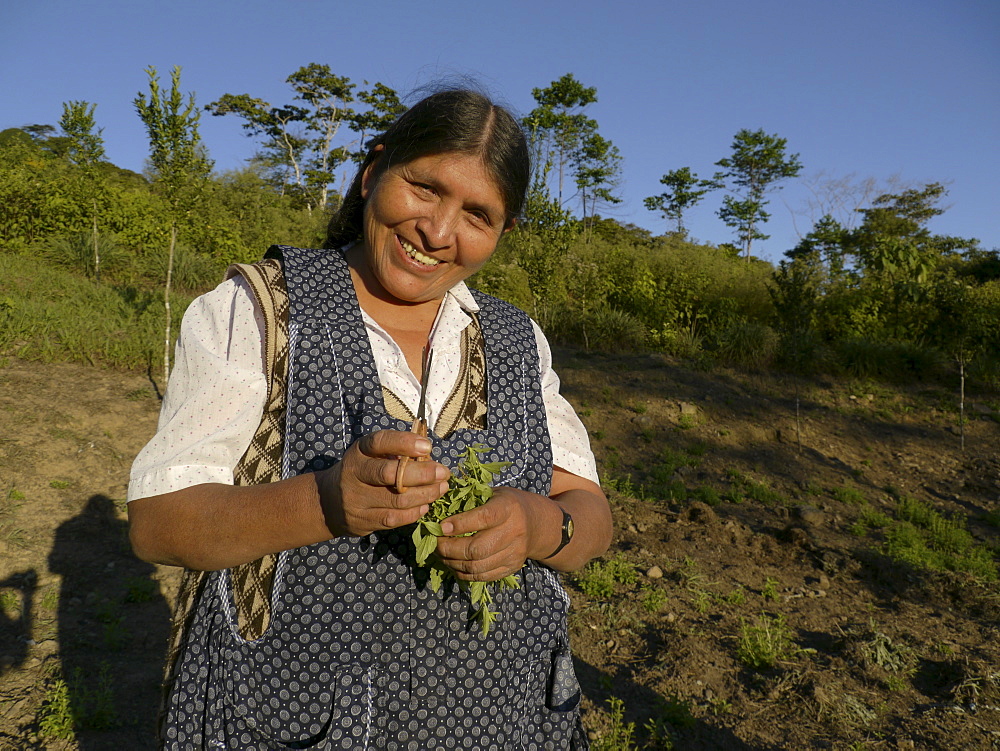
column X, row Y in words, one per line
column 502, row 541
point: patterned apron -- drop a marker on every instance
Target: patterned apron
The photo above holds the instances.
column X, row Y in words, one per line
column 359, row 652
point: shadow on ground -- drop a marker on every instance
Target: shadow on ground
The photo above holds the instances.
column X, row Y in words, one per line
column 113, row 624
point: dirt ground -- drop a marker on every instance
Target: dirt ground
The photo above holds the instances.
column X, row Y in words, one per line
column 731, row 523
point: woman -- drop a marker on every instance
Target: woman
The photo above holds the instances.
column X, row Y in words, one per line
column 313, row 629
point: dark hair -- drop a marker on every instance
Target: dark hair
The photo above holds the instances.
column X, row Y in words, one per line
column 452, row 121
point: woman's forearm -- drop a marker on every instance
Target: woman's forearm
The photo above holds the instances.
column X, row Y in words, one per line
column 213, row 526
column 592, row 529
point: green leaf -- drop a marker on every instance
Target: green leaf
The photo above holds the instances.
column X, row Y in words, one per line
column 425, row 547
column 437, row 578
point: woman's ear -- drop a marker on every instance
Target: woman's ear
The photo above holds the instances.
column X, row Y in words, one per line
column 511, row 223
column 370, row 175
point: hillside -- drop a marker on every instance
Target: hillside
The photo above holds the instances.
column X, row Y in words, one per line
column 762, row 592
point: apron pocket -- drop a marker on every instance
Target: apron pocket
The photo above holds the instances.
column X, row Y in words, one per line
column 337, row 717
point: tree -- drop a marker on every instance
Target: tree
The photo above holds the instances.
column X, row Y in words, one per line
column 284, row 149
column 557, row 126
column 179, row 162
column 758, row 163
column 85, row 150
column 383, row 109
column 327, row 97
column 302, row 141
column 597, row 166
column 963, row 328
column 686, row 190
column 795, row 294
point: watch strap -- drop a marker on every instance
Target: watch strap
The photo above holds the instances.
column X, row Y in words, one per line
column 567, row 534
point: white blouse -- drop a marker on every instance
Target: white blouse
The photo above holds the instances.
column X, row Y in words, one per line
column 217, row 389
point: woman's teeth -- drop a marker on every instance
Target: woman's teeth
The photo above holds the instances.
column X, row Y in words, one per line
column 416, row 255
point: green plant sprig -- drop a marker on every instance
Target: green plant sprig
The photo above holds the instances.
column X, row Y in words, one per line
column 468, row 488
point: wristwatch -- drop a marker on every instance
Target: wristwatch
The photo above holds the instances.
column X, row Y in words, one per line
column 567, row 534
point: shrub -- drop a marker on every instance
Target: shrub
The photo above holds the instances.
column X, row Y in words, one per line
column 747, row 344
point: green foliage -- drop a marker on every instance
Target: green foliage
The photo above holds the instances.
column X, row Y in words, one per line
column 898, row 361
column 55, row 719
column 599, row 580
column 618, row 735
column 925, row 538
column 747, row 344
column 757, row 164
column 468, row 488
column 765, row 642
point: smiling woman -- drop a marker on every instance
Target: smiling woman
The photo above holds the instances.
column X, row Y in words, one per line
column 277, row 477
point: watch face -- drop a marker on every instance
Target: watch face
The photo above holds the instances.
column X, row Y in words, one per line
column 569, row 528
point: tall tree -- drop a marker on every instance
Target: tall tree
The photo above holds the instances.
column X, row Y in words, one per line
column 383, row 109
column 85, row 150
column 284, row 146
column 557, row 125
column 686, row 190
column 303, row 142
column 757, row 164
column 327, row 96
column 179, row 162
column 597, row 170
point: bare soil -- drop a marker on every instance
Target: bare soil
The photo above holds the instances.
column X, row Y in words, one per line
column 729, row 518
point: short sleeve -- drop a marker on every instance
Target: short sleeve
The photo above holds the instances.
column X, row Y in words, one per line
column 214, row 399
column 570, row 442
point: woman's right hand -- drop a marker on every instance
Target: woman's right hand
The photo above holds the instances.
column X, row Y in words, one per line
column 359, row 494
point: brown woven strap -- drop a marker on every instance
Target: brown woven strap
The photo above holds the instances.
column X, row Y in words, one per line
column 465, row 407
column 261, row 463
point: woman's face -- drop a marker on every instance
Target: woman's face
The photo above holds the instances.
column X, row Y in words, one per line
column 429, row 224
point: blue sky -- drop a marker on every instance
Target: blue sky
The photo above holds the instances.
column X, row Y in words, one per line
column 880, row 89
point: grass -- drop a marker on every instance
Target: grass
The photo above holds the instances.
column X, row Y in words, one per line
column 51, row 314
column 600, row 580
column 845, row 494
column 927, row 539
column 744, row 488
column 10, row 603
column 765, row 642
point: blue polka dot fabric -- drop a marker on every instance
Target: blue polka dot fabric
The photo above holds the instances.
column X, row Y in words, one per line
column 360, row 652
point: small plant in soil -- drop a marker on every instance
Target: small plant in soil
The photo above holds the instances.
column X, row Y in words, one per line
column 765, row 642
column 599, row 580
column 618, row 735
column 55, row 719
column 770, row 590
column 653, row 599
column 706, row 494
